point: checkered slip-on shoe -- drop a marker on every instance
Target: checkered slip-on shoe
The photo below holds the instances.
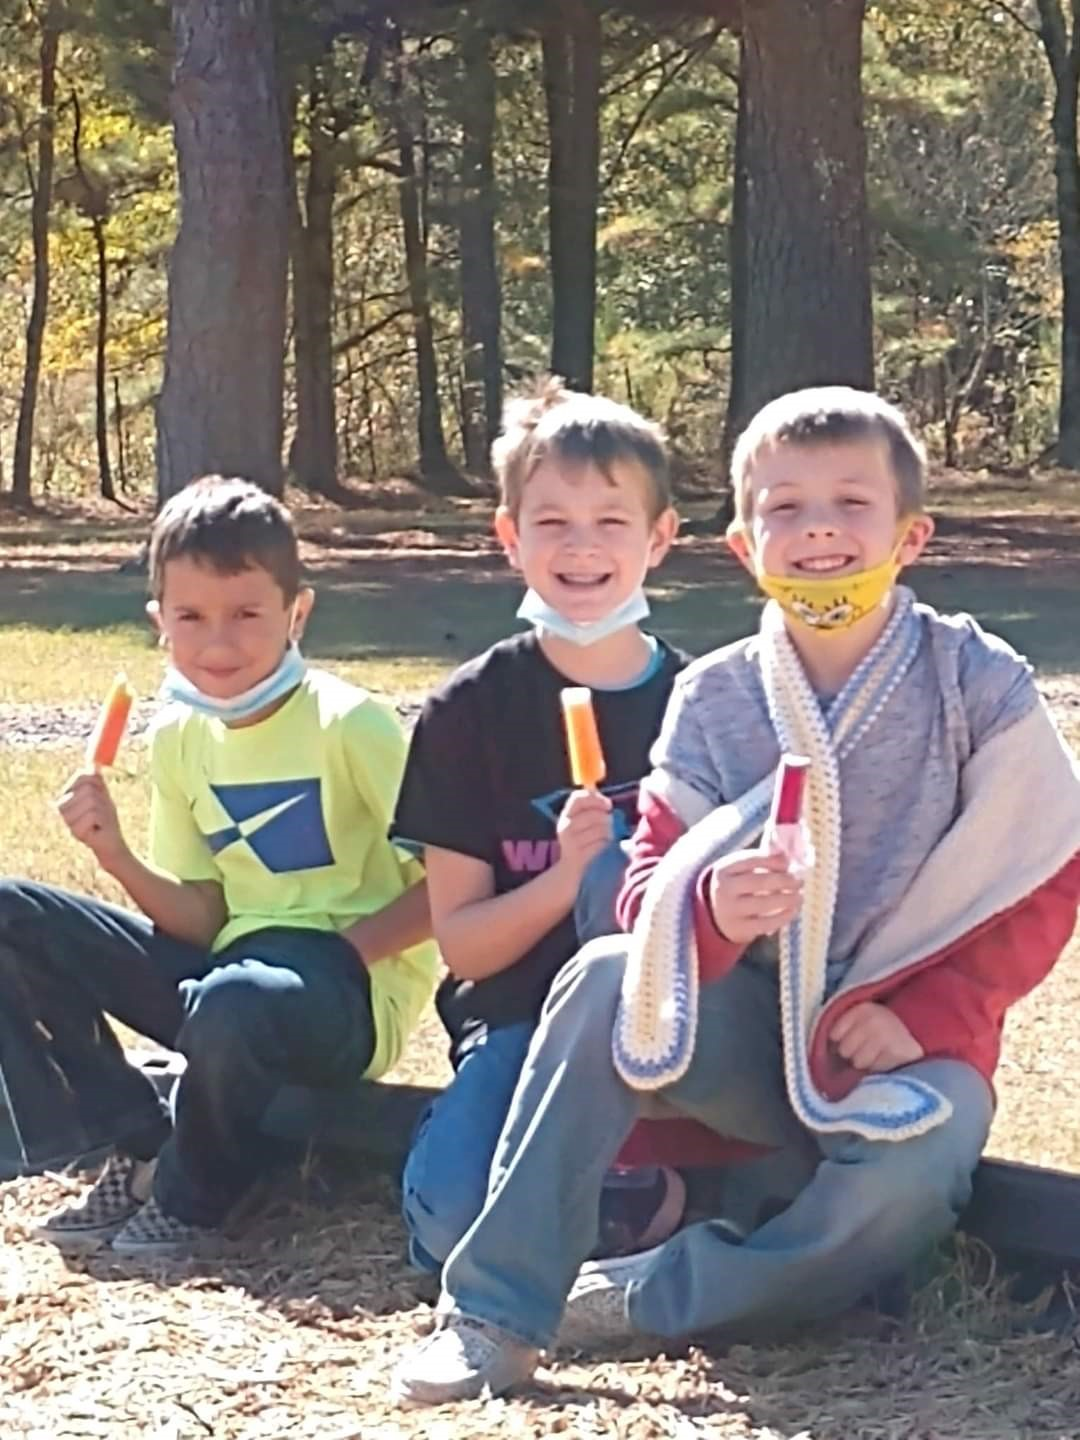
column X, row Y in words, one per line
column 152, row 1232
column 116, row 1196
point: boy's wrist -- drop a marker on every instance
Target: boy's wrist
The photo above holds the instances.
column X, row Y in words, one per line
column 356, row 934
column 565, row 877
column 118, row 863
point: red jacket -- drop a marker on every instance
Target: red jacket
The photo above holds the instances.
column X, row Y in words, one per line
column 953, row 1002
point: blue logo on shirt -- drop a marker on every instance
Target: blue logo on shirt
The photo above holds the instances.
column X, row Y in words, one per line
column 623, row 797
column 281, row 820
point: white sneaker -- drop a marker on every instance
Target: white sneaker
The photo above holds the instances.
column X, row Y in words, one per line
column 595, row 1312
column 152, row 1232
column 117, row 1195
column 463, row 1359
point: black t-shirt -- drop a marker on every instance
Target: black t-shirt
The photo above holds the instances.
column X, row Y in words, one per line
column 488, row 775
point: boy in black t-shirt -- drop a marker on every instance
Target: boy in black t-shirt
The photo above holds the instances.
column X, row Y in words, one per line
column 585, row 514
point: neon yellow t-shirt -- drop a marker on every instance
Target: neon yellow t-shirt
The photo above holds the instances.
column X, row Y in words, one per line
column 290, row 817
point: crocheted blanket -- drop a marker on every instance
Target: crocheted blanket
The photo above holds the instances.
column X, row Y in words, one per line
column 1024, row 771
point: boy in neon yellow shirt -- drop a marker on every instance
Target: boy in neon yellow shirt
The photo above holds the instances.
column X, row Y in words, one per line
column 283, row 939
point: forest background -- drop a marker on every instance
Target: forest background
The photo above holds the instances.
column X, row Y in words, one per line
column 474, row 193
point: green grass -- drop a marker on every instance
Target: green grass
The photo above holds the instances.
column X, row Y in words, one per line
column 397, row 624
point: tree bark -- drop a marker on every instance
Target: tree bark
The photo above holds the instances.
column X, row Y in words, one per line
column 220, row 408
column 481, row 302
column 807, row 316
column 101, row 399
column 314, row 451
column 739, row 276
column 1063, row 54
column 571, row 55
column 435, row 466
column 42, row 182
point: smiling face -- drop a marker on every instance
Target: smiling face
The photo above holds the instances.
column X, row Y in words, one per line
column 825, row 510
column 226, row 633
column 583, row 537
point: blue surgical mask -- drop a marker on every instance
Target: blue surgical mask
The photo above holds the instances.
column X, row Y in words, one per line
column 538, row 612
column 286, row 677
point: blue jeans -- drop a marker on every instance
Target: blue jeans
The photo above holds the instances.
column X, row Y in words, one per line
column 277, row 1007
column 445, row 1179
column 868, row 1211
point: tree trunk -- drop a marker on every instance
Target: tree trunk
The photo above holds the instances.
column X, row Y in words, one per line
column 481, row 302
column 571, row 54
column 806, row 317
column 42, row 207
column 121, row 444
column 1063, row 54
column 220, row 408
column 739, row 276
column 314, row 451
column 101, row 380
column 435, row 466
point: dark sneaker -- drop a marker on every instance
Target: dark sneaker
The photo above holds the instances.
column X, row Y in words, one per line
column 639, row 1209
column 152, row 1232
column 116, row 1196
column 463, row 1359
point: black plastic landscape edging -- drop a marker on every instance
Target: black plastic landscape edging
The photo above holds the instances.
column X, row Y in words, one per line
column 1028, row 1215
column 1018, row 1210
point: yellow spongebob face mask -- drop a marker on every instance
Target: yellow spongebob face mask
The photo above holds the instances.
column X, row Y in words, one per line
column 833, row 603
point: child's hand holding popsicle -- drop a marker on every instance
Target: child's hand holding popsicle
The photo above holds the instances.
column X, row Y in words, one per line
column 757, row 892
column 86, row 807
column 584, row 827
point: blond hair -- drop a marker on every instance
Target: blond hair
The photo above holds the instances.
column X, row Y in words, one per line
column 830, row 414
column 552, row 422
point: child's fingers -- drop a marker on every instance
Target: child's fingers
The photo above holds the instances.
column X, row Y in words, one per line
column 868, row 1056
column 584, row 801
column 850, row 1020
column 86, row 828
column 749, row 862
column 77, row 806
column 773, row 891
column 850, row 1044
column 587, row 827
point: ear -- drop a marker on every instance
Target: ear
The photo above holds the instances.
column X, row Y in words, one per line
column 506, row 532
column 917, row 532
column 664, row 530
column 739, row 545
column 153, row 614
column 301, row 613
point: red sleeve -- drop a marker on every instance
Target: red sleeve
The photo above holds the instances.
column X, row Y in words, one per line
column 967, row 992
column 657, row 830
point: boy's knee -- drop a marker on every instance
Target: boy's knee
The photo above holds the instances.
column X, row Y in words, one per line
column 15, row 903
column 228, row 1006
column 926, row 1177
column 593, row 977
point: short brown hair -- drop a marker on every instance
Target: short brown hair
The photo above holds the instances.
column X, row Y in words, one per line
column 553, row 422
column 228, row 525
column 830, row 414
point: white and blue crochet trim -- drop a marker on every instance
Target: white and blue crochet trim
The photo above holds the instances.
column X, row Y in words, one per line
column 656, row 1025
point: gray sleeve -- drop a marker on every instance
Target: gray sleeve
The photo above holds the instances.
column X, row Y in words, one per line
column 681, row 750
column 998, row 685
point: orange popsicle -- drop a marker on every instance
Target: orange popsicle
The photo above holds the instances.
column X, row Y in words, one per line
column 111, row 723
column 587, row 765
